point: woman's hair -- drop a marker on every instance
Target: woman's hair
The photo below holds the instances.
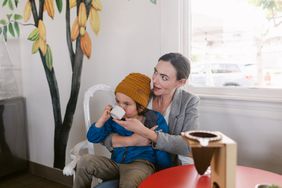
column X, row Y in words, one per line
column 180, row 63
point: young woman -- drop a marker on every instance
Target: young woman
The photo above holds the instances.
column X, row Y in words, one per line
column 129, row 164
column 179, row 108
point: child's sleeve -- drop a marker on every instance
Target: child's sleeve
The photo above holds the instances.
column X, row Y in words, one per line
column 163, row 159
column 97, row 135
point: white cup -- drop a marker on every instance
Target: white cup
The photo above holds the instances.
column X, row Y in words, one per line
column 117, row 112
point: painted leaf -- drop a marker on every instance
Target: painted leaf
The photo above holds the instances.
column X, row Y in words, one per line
column 5, row 33
column 82, row 17
column 17, row 17
column 11, row 6
column 11, row 29
column 74, row 30
column 42, row 46
column 94, row 21
column 35, row 46
column 86, row 45
column 4, row 3
column 17, row 28
column 49, row 58
column 72, row 3
column 154, row 1
column 9, row 16
column 97, row 4
column 3, row 22
column 27, row 11
column 49, row 6
column 0, row 30
column 34, row 35
column 16, row 3
column 59, row 5
column 41, row 29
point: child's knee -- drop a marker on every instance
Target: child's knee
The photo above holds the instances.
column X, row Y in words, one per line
column 134, row 179
column 84, row 161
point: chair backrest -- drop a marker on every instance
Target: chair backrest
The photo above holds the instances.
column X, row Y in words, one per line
column 86, row 106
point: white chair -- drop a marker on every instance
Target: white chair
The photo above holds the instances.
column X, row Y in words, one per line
column 75, row 152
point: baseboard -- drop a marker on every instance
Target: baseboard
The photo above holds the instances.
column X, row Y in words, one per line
column 52, row 174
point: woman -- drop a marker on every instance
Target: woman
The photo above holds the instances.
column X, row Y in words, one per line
column 179, row 108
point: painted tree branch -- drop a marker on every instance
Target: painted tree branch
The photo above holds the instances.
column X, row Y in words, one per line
column 52, row 83
column 62, row 133
column 68, row 34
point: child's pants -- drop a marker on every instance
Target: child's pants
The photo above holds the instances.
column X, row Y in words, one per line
column 129, row 175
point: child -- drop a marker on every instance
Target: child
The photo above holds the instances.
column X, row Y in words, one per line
column 130, row 164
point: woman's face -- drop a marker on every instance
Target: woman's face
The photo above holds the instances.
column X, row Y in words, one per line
column 164, row 79
column 128, row 104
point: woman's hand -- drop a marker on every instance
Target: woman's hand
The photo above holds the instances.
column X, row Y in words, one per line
column 105, row 116
column 137, row 127
column 133, row 125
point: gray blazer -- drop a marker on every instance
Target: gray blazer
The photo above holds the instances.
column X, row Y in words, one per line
column 184, row 116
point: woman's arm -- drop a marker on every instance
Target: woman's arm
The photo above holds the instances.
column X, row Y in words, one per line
column 187, row 119
column 134, row 140
column 172, row 144
column 115, row 140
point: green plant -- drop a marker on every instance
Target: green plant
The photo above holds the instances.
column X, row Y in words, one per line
column 10, row 23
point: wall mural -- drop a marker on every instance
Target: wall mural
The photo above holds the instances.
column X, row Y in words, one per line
column 76, row 34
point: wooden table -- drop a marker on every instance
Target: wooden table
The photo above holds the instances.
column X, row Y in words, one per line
column 187, row 177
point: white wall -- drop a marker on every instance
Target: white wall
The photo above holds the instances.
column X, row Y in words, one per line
column 255, row 127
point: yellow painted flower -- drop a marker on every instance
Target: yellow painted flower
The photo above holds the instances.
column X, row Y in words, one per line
column 97, row 5
column 49, row 5
column 27, row 11
column 94, row 20
column 82, row 17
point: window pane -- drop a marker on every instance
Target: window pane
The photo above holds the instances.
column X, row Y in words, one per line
column 236, row 43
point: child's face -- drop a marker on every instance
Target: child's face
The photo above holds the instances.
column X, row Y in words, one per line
column 127, row 104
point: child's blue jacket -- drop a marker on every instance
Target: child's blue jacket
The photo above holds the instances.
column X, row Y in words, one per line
column 129, row 154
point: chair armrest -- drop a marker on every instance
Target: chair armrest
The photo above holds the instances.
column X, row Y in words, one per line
column 75, row 156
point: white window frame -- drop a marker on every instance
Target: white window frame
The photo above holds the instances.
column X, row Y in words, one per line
column 176, row 36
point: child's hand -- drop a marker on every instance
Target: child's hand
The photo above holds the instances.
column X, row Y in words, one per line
column 105, row 116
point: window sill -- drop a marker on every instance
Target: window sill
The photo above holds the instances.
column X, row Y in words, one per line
column 242, row 94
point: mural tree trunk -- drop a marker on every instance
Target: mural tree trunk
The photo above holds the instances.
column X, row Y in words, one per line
column 83, row 47
column 62, row 127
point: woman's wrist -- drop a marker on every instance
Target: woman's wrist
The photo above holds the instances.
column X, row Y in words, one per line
column 152, row 135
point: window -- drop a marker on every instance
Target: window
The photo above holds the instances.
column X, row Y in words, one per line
column 240, row 39
column 235, row 46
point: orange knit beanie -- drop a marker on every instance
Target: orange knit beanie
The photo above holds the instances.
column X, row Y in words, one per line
column 137, row 87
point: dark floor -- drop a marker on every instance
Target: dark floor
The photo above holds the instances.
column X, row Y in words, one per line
column 26, row 180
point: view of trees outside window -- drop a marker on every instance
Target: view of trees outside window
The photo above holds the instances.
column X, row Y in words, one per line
column 236, row 43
